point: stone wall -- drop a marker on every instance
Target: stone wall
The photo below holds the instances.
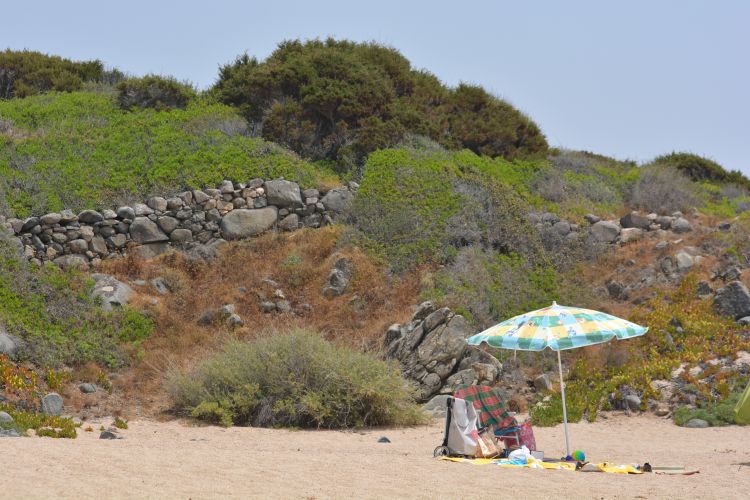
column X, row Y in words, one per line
column 196, row 220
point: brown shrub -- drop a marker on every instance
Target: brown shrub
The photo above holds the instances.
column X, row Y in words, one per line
column 298, row 262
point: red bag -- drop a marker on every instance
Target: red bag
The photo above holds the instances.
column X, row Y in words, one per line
column 525, row 437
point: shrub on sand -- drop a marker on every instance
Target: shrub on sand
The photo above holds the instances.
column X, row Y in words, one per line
column 297, row 379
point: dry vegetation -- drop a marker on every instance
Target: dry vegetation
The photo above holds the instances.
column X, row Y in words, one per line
column 243, row 275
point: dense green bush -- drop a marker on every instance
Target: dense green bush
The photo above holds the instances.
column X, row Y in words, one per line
column 294, row 379
column 52, row 312
column 698, row 168
column 417, row 206
column 339, row 100
column 152, row 91
column 80, row 151
column 25, row 73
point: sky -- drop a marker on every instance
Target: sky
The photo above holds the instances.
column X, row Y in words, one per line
column 631, row 79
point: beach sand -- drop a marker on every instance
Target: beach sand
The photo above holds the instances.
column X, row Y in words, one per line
column 177, row 460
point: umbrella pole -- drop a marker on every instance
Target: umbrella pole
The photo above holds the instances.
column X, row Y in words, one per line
column 565, row 410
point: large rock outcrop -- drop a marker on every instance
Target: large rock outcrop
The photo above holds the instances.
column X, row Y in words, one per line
column 434, row 355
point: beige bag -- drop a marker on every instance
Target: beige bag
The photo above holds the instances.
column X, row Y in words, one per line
column 486, row 446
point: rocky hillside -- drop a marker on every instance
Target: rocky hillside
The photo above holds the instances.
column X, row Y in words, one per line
column 145, row 223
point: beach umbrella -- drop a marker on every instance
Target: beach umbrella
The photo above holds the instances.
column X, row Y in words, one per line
column 557, row 328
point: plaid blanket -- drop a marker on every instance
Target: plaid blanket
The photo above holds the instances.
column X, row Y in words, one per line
column 488, row 405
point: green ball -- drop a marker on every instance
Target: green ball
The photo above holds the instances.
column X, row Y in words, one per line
column 579, row 456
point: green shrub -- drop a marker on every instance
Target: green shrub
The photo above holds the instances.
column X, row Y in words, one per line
column 52, row 312
column 43, row 425
column 340, row 100
column 716, row 413
column 699, row 169
column 81, row 151
column 295, row 379
column 25, row 73
column 490, row 126
column 152, row 91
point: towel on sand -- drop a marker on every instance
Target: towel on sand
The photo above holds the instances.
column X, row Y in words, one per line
column 533, row 463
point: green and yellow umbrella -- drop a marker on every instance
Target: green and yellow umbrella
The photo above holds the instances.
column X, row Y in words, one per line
column 558, row 328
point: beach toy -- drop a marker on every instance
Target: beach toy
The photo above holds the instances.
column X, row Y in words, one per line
column 579, row 456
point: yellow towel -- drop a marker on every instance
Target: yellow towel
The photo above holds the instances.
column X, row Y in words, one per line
column 533, row 463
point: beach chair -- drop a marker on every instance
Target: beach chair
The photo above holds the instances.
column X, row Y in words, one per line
column 491, row 412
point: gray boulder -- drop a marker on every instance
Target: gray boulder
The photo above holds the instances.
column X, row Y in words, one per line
column 605, row 232
column 125, row 213
column 591, row 218
column 144, row 230
column 542, row 383
column 50, row 219
column 160, row 285
column 664, row 221
column 112, row 292
column 243, row 223
column 72, row 262
column 630, row 234
column 562, row 227
column 283, row 193
column 632, row 402
column 685, row 261
column 181, row 235
column 733, row 300
column 437, row 407
column 338, row 200
column 90, row 217
column 289, row 223
column 681, row 225
column 87, row 388
column 9, row 344
column 150, row 250
column 696, row 423
column 52, row 404
column 5, row 418
column 338, row 278
column 635, row 220
column 168, row 224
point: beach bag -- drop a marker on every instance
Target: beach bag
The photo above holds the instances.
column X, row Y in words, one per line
column 526, row 433
column 525, row 438
column 486, row 446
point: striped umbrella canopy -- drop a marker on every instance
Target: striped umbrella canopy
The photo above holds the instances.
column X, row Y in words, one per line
column 558, row 328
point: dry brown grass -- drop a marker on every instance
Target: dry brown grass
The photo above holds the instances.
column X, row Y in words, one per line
column 299, row 262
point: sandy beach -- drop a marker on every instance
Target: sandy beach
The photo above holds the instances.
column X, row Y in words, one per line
column 177, row 460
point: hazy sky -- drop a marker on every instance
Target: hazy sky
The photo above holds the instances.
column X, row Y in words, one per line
column 631, row 79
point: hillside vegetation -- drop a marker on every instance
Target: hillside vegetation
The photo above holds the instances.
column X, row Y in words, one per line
column 80, row 150
column 457, row 199
column 340, row 100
